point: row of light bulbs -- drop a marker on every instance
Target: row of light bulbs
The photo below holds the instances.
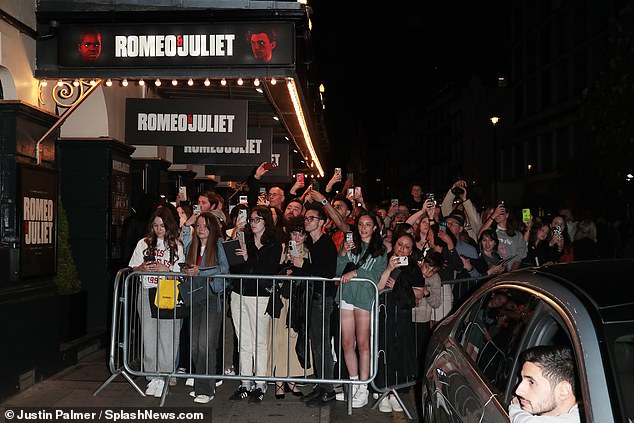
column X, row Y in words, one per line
column 158, row 82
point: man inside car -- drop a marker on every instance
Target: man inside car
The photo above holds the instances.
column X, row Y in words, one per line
column 546, row 392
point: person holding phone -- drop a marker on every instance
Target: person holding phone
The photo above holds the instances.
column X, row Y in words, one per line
column 506, row 226
column 397, row 332
column 250, row 297
column 541, row 248
column 160, row 252
column 285, row 362
column 366, row 258
column 205, row 258
column 488, row 244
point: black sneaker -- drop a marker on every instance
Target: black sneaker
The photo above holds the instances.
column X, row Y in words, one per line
column 316, row 393
column 322, row 399
column 241, row 393
column 256, row 396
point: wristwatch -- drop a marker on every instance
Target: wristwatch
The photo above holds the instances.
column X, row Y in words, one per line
column 324, row 202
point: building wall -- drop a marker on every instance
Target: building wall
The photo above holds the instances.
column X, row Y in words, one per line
column 17, row 54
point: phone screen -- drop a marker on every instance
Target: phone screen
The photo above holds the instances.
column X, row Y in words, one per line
column 526, row 215
column 443, row 227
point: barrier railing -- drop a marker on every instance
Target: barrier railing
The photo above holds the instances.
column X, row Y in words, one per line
column 145, row 337
column 135, row 334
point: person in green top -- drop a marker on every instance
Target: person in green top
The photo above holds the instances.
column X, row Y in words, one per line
column 363, row 257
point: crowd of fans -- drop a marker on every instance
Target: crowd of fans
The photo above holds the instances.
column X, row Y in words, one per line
column 408, row 246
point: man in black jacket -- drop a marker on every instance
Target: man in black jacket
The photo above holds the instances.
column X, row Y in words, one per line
column 322, row 263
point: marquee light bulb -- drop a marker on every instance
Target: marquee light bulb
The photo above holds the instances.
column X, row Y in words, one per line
column 174, row 82
column 273, row 81
column 256, row 82
column 124, row 82
column 207, row 82
column 44, row 82
column 157, row 82
column 190, row 82
column 240, row 81
column 109, row 83
column 223, row 82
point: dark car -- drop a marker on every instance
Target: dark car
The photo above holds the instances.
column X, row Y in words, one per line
column 472, row 368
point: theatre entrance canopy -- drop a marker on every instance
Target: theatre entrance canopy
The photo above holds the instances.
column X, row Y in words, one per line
column 209, row 73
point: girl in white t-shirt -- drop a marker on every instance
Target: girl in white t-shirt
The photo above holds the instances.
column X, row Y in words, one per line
column 160, row 252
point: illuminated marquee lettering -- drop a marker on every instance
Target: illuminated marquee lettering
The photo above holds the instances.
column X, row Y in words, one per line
column 38, row 215
column 192, row 45
column 181, row 122
column 250, row 147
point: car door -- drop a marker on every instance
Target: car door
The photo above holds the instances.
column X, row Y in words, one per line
column 469, row 375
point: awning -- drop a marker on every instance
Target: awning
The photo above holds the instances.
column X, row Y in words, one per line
column 200, row 56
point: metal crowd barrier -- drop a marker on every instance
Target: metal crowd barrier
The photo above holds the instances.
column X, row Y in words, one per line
column 134, row 317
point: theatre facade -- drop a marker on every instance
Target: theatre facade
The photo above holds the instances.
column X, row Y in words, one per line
column 106, row 105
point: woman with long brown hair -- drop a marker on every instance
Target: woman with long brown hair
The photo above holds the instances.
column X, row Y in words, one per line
column 205, row 258
column 160, row 251
column 250, row 297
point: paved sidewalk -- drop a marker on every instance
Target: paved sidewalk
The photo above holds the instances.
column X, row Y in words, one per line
column 75, row 386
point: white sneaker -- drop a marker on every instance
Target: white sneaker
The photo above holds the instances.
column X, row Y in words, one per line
column 173, row 381
column 218, row 383
column 360, row 398
column 151, row 388
column 385, row 406
column 341, row 396
column 201, row 399
column 230, row 371
column 160, row 384
column 189, row 381
column 396, row 406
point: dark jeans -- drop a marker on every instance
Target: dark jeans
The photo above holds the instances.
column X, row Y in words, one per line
column 319, row 334
column 206, row 324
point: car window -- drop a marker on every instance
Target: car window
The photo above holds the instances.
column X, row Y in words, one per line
column 492, row 330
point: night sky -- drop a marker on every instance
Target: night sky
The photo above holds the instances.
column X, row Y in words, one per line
column 375, row 61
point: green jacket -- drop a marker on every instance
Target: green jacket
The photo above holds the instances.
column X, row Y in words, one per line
column 360, row 293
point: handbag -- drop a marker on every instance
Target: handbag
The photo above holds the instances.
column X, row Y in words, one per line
column 166, row 301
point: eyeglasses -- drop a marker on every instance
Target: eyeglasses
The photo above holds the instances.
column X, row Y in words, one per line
column 311, row 218
column 256, row 219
